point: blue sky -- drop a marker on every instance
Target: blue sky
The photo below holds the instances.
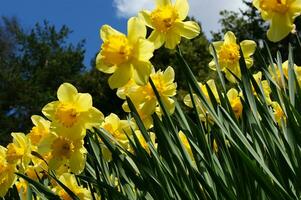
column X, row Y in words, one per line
column 83, row 17
column 86, row 17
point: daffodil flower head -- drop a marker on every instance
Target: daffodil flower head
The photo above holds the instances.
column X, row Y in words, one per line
column 19, row 151
column 203, row 114
column 185, row 142
column 143, row 142
column 125, row 57
column 7, row 173
column 144, row 98
column 70, row 182
column 276, row 73
column 278, row 112
column 40, row 130
column 65, row 153
column 166, row 20
column 119, row 129
column 228, row 55
column 234, row 99
column 281, row 15
column 22, row 187
column 73, row 112
column 265, row 87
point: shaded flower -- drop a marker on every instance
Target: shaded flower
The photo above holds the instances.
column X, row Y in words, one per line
column 70, row 182
column 234, row 99
column 228, row 55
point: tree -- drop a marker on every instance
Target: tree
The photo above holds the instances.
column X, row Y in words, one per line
column 33, row 64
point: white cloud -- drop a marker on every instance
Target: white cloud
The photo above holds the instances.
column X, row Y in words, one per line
column 206, row 11
column 128, row 8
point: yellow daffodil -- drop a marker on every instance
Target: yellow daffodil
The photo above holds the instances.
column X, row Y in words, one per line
column 124, row 56
column 267, row 91
column 166, row 20
column 214, row 146
column 65, row 152
column 278, row 112
column 39, row 131
column 143, row 142
column 144, row 97
column 265, row 87
column 186, row 144
column 7, row 173
column 276, row 74
column 70, row 182
column 119, row 129
column 281, row 15
column 228, row 55
column 73, row 112
column 19, row 151
column 22, row 187
column 203, row 114
column 235, row 102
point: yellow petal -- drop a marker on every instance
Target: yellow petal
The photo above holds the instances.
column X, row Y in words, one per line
column 149, row 107
column 102, row 66
column 145, row 50
column 136, row 29
column 94, row 118
column 230, row 38
column 36, row 119
column 188, row 29
column 106, row 31
column 217, row 46
column 249, row 62
column 144, row 15
column 49, row 109
column 232, row 94
column 169, row 103
column 121, row 76
column 280, row 27
column 157, row 38
column 172, row 40
column 187, row 101
column 182, row 7
column 78, row 161
column 83, row 102
column 141, row 72
column 163, row 2
column 256, row 3
column 295, row 9
column 66, row 93
column 248, row 47
column 55, row 163
column 212, row 65
column 169, row 75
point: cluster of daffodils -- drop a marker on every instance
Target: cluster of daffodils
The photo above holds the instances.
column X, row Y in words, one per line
column 127, row 58
column 54, row 143
column 228, row 54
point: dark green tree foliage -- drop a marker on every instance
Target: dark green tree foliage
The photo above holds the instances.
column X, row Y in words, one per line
column 32, row 66
column 248, row 24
